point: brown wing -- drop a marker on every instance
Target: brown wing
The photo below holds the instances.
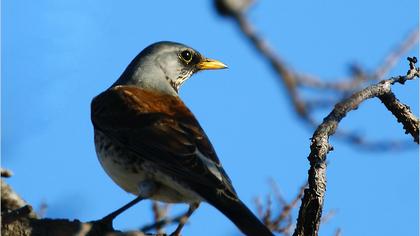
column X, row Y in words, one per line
column 160, row 128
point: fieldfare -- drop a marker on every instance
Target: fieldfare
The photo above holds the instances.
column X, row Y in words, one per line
column 152, row 146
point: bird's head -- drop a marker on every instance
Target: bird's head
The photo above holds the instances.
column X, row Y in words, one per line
column 165, row 66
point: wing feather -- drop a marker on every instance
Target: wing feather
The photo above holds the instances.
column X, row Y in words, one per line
column 161, row 129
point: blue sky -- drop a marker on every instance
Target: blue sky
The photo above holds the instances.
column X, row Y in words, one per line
column 57, row 55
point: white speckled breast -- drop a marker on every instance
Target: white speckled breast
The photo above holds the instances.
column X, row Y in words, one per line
column 129, row 170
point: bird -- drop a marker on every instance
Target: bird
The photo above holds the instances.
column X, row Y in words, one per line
column 151, row 144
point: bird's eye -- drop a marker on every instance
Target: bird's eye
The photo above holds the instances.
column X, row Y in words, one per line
column 186, row 56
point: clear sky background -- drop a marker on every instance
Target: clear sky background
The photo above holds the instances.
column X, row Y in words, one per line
column 57, row 55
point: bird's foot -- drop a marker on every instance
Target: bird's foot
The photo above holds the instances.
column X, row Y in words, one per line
column 105, row 224
column 102, row 226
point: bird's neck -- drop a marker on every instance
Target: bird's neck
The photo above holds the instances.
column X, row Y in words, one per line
column 146, row 77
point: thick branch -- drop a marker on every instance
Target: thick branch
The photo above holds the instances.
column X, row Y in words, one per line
column 18, row 219
column 312, row 203
column 403, row 114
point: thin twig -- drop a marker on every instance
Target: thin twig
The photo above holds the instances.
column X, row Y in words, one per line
column 162, row 223
column 338, row 232
column 295, row 81
column 42, row 209
column 280, row 222
column 287, row 208
column 327, row 216
column 286, row 75
column 159, row 213
column 396, row 54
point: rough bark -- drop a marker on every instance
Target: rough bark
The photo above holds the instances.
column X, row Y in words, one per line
column 310, row 212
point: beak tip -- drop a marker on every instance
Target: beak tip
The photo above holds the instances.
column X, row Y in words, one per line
column 211, row 64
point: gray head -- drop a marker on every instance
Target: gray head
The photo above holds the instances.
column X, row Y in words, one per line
column 165, row 66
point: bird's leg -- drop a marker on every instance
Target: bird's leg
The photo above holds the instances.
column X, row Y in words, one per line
column 111, row 216
column 146, row 190
column 105, row 224
column 184, row 219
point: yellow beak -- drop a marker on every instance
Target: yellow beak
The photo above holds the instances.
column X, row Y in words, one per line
column 210, row 64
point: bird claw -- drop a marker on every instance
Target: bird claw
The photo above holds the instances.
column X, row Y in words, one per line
column 99, row 227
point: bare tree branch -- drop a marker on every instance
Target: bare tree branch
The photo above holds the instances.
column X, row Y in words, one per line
column 338, row 232
column 403, row 114
column 294, row 81
column 278, row 220
column 160, row 217
column 19, row 219
column 312, row 203
column 162, row 223
column 396, row 54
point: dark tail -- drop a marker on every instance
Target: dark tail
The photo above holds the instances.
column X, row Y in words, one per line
column 241, row 216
